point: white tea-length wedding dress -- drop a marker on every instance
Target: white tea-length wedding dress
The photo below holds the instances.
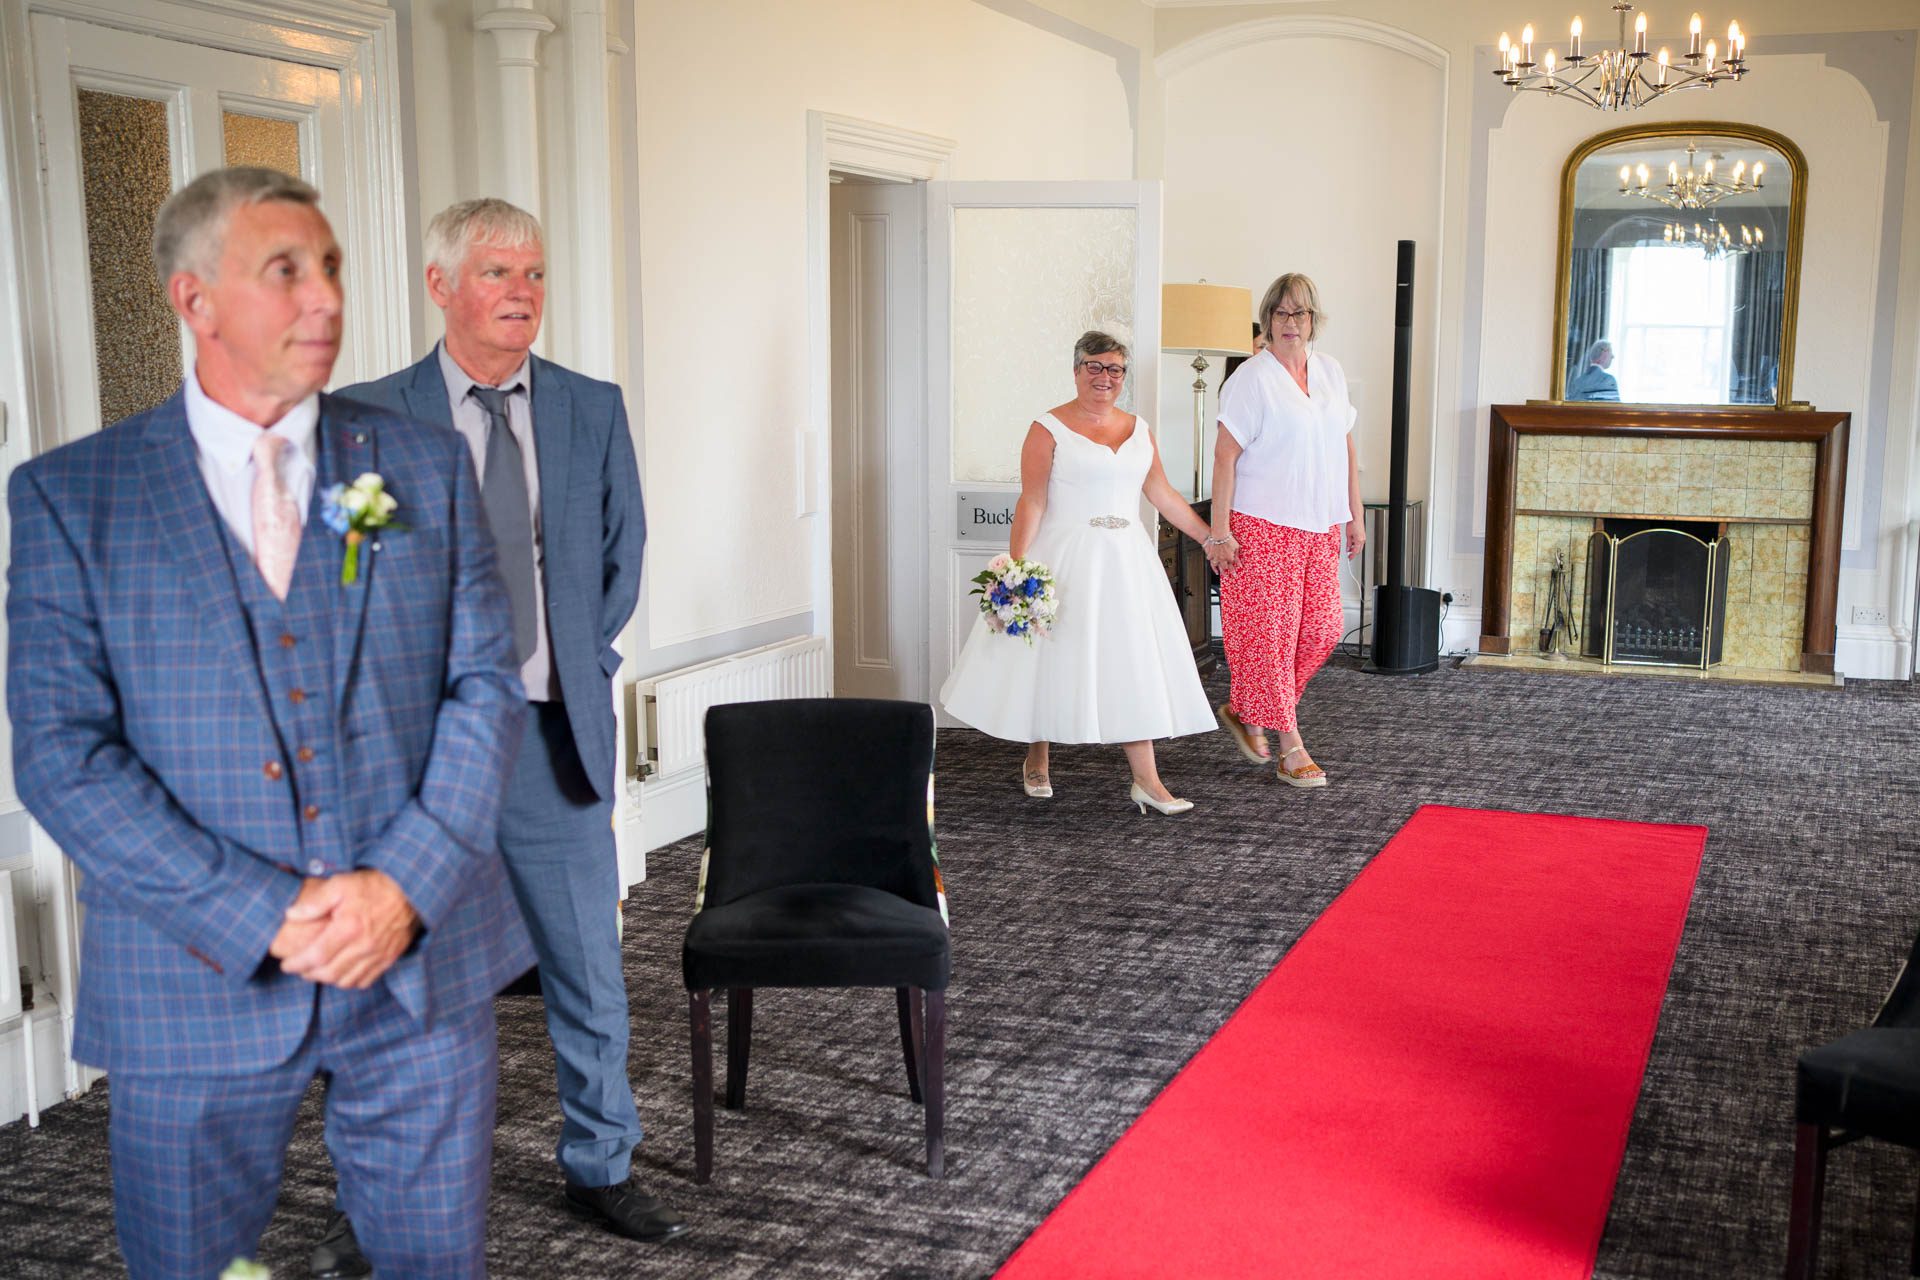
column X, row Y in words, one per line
column 1117, row 666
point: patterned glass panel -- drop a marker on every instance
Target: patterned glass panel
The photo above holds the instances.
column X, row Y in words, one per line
column 1026, row 284
column 263, row 141
column 127, row 175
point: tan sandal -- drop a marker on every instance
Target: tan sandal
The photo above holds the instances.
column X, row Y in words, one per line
column 1306, row 775
column 1254, row 749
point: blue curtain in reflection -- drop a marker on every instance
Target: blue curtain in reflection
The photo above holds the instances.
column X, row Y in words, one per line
column 1759, row 303
column 1591, row 276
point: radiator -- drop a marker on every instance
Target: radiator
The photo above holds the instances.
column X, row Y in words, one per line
column 675, row 703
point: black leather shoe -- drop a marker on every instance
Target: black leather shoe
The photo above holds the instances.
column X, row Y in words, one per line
column 626, row 1210
column 338, row 1256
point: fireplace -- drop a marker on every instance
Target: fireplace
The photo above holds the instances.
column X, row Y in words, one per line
column 1767, row 485
column 1657, row 592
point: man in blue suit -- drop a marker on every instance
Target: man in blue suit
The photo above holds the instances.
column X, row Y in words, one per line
column 1594, row 382
column 281, row 780
column 562, row 493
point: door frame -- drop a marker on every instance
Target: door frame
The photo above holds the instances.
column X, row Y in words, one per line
column 887, row 154
column 357, row 39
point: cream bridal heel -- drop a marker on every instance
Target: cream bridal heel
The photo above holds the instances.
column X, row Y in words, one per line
column 1141, row 798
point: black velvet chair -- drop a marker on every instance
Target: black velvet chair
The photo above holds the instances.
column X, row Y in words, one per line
column 1863, row 1085
column 820, row 872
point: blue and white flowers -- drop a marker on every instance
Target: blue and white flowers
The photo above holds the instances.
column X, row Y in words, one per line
column 1017, row 596
column 354, row 510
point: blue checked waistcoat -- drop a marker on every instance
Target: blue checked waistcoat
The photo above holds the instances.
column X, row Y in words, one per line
column 197, row 746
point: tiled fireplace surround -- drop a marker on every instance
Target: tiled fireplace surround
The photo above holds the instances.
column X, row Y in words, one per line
column 1773, row 479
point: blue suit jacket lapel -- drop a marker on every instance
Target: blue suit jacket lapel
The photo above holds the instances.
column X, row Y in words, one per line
column 190, row 530
column 553, row 451
column 426, row 393
column 347, row 448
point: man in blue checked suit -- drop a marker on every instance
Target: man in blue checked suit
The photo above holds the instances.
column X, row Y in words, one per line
column 562, row 495
column 281, row 787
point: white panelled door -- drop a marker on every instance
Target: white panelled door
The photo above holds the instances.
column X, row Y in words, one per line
column 1017, row 271
column 155, row 112
column 878, row 232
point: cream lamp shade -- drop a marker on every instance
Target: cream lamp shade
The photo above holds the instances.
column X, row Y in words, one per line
column 1209, row 319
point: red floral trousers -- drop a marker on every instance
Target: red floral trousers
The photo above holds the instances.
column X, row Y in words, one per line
column 1280, row 615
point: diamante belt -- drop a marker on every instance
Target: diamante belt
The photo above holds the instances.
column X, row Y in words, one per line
column 1109, row 522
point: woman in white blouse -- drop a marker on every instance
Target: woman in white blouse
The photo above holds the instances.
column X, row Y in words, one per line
column 1285, row 479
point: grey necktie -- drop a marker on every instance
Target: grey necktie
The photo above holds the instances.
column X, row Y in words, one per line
column 503, row 493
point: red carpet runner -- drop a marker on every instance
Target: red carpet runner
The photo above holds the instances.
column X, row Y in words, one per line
column 1436, row 1081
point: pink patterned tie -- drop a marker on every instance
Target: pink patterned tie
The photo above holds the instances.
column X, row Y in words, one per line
column 276, row 521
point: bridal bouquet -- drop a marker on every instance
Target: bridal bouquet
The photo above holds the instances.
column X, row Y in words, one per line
column 1017, row 596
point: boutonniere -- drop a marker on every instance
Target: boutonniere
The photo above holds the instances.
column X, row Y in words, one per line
column 352, row 511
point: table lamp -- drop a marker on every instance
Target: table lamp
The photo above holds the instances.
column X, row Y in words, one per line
column 1205, row 319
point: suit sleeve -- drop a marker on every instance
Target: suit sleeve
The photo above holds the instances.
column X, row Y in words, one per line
column 78, row 775
column 623, row 524
column 453, row 818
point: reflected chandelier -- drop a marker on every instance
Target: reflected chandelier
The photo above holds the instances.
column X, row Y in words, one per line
column 1692, row 188
column 1626, row 77
column 1716, row 239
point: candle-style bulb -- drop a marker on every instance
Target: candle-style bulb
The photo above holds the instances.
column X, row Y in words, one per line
column 1693, row 36
column 1759, row 169
column 1626, row 176
column 1644, row 175
column 1505, row 43
column 1673, row 173
column 1573, row 45
column 1664, row 58
column 1549, row 62
column 1712, row 52
column 1759, row 236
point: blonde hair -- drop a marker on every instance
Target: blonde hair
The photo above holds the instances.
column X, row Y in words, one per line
column 1303, row 293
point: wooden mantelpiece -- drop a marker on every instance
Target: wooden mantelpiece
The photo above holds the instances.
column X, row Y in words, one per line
column 1826, row 431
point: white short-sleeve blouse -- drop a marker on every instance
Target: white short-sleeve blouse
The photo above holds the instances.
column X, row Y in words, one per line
column 1293, row 462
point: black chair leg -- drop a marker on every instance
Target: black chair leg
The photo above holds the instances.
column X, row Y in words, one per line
column 1809, row 1184
column 700, row 1013
column 739, row 1037
column 908, row 998
column 934, row 1068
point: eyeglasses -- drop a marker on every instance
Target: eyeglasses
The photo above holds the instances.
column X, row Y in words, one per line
column 1279, row 314
column 1095, row 368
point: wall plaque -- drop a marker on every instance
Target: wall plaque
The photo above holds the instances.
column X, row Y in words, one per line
column 984, row 517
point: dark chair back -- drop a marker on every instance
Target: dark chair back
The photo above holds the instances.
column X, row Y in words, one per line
column 820, row 791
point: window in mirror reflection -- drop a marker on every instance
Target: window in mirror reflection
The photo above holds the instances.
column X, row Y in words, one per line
column 1671, row 311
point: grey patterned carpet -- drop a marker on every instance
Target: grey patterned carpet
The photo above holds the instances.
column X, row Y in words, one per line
column 1096, row 950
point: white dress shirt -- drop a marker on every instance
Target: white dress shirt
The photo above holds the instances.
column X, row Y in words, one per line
column 1293, row 462
column 471, row 421
column 223, row 444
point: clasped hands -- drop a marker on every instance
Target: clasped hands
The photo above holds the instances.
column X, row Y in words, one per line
column 345, row 930
column 1222, row 555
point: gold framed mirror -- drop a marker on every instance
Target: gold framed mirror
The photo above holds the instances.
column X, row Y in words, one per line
column 1678, row 275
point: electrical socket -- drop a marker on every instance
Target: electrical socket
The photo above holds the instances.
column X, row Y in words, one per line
column 1462, row 597
column 1867, row 616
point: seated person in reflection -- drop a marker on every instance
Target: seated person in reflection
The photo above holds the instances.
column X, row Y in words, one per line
column 1595, row 383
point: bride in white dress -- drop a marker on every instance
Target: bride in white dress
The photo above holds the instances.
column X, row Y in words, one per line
column 1117, row 666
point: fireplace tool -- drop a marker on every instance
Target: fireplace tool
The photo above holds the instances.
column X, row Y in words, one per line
column 1558, row 627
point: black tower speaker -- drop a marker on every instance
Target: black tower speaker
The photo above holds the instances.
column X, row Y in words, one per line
column 1406, row 620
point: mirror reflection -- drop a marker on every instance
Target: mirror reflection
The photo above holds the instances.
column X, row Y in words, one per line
column 1676, row 281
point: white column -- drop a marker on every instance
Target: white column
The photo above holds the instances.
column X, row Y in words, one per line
column 594, row 286
column 516, row 27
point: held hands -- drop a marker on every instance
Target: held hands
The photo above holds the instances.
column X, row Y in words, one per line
column 345, row 930
column 1222, row 553
column 1356, row 537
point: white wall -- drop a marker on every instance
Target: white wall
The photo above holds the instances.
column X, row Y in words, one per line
column 1318, row 179
column 721, row 231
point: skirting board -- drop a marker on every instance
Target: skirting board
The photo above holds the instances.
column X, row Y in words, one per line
column 1863, row 653
column 670, row 809
column 50, row 1067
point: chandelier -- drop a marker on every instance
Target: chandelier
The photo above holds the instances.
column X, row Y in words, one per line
column 1715, row 239
column 1693, row 188
column 1622, row 78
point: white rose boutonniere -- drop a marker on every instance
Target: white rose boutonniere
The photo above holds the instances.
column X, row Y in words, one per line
column 354, row 510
